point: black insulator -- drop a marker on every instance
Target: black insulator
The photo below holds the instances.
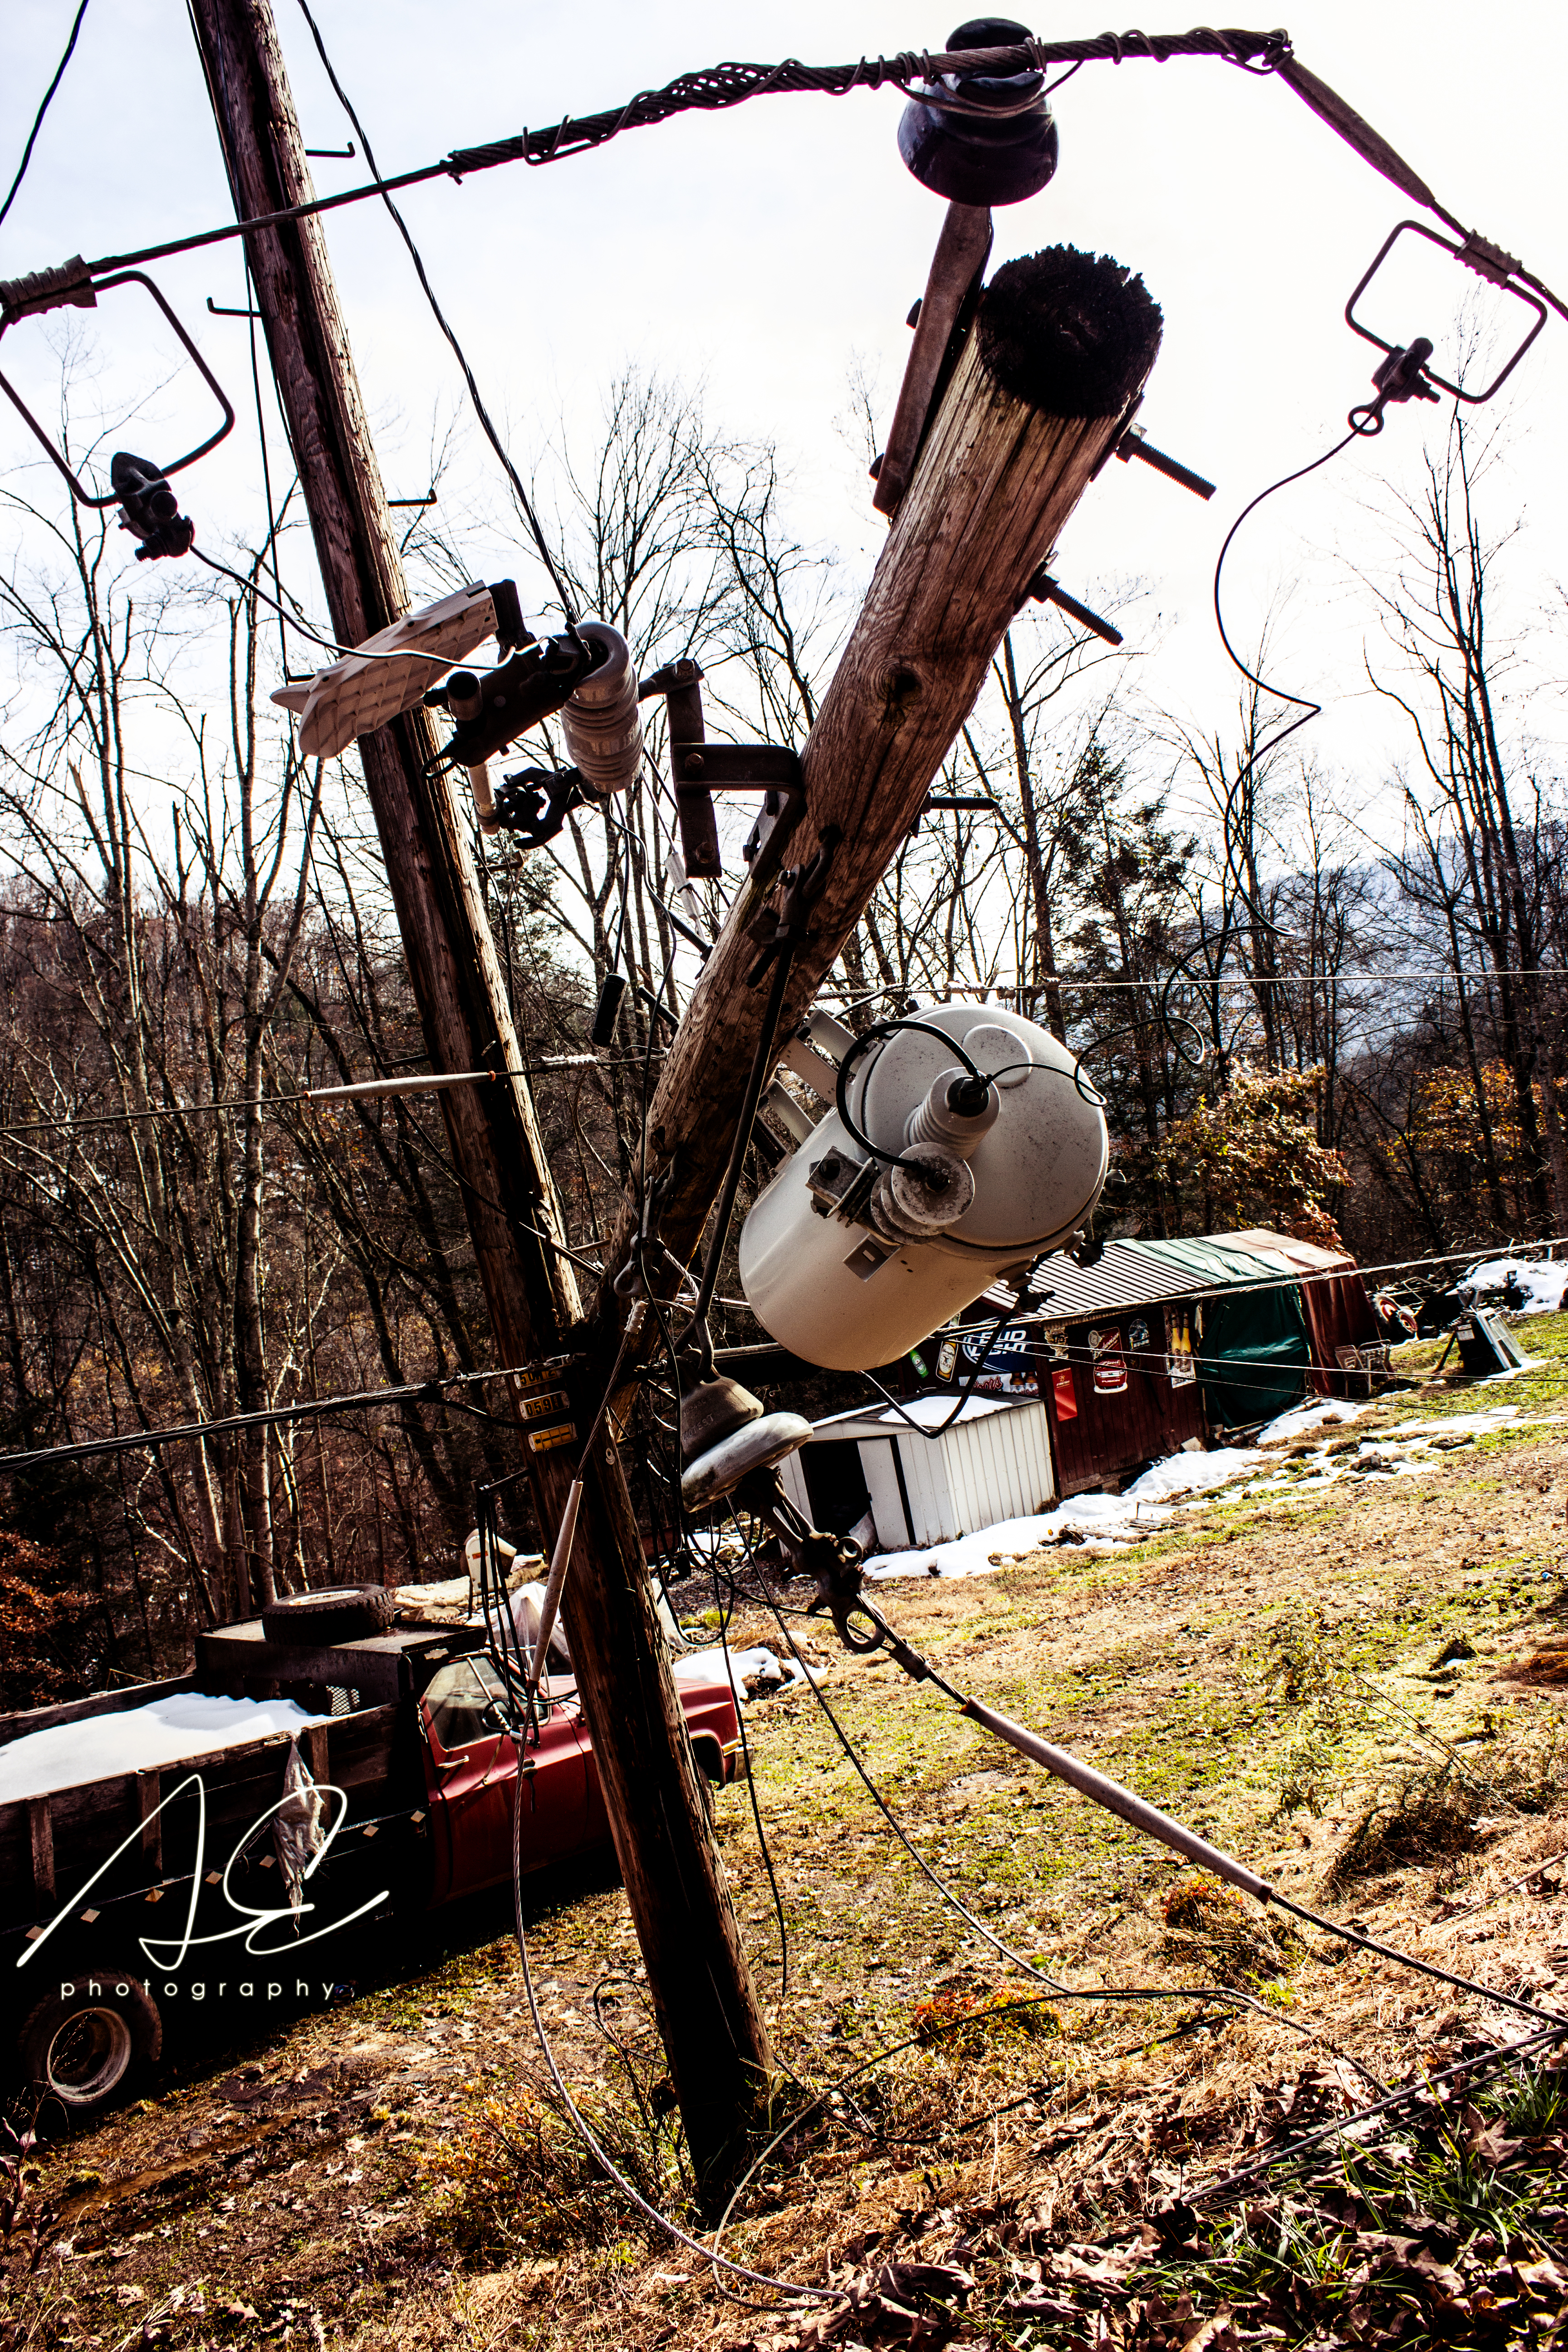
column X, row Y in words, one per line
column 957, row 151
column 502, row 704
column 607, row 1011
column 148, row 507
column 462, row 694
column 968, row 1095
column 512, row 630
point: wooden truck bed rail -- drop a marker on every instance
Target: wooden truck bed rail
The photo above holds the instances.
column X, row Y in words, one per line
column 54, row 1843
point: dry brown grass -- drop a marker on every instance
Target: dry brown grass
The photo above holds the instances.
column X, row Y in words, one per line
column 369, row 2187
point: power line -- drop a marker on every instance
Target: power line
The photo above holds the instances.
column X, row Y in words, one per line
column 1470, row 2071
column 481, row 410
column 435, row 1082
column 291, row 620
column 1304, row 704
column 712, row 89
column 430, row 1392
column 718, row 87
column 43, row 109
column 1553, row 2026
column 983, row 990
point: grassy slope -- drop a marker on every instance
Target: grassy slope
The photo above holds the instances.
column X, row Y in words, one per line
column 1277, row 1668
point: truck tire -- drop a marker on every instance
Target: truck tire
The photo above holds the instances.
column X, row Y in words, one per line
column 81, row 2046
column 342, row 1612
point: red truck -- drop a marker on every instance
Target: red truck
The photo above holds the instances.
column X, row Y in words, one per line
column 133, row 1897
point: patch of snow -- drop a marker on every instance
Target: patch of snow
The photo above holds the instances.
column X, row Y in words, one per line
column 759, row 1665
column 1541, row 1281
column 166, row 1731
column 1191, row 1474
column 1102, row 1521
column 1302, row 1417
column 977, row 1554
column 1111, row 1522
column 1454, row 1425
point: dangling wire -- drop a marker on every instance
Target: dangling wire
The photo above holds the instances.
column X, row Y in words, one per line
column 359, row 653
column 43, row 109
column 1017, row 1306
column 1303, row 703
column 503, row 1642
column 481, row 410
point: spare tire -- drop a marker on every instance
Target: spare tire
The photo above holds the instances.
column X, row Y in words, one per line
column 88, row 2037
column 342, row 1613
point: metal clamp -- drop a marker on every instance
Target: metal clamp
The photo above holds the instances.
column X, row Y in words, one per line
column 83, row 293
column 787, row 926
column 535, row 803
column 1475, row 254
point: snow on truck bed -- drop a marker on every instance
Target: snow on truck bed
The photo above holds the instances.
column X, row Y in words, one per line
column 166, row 1731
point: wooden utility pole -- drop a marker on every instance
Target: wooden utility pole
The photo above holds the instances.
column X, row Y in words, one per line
column 1061, row 347
column 708, row 2012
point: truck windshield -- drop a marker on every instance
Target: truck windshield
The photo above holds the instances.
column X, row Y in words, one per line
column 462, row 1701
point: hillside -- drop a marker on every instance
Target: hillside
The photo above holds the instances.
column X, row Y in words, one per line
column 1352, row 1676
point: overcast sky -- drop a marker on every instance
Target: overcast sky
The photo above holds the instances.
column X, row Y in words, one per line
column 765, row 251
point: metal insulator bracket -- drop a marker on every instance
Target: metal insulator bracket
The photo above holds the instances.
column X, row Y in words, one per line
column 49, row 290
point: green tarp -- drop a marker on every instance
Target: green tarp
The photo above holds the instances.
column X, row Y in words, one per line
column 1252, row 1355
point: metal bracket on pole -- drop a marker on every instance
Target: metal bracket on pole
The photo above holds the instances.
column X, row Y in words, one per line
column 766, row 768
column 941, row 320
column 698, row 769
column 680, row 683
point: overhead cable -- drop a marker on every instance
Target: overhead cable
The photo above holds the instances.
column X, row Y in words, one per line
column 430, row 1082
column 430, row 1392
column 718, row 87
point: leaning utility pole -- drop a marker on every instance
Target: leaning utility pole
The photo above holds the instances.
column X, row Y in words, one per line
column 707, row 2007
column 1039, row 396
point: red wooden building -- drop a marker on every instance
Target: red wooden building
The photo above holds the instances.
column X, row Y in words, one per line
column 1164, row 1344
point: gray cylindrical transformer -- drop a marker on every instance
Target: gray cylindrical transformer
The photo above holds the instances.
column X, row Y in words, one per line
column 832, row 1289
column 600, row 721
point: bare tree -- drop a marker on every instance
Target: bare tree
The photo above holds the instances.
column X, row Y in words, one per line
column 1481, row 832
column 166, row 958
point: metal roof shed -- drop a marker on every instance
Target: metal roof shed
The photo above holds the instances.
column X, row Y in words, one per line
column 1116, row 1366
column 1159, row 1343
column 993, row 1464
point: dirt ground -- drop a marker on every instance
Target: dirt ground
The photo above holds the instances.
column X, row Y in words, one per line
column 1353, row 1678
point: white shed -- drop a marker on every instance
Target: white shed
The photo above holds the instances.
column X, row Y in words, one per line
column 993, row 1464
